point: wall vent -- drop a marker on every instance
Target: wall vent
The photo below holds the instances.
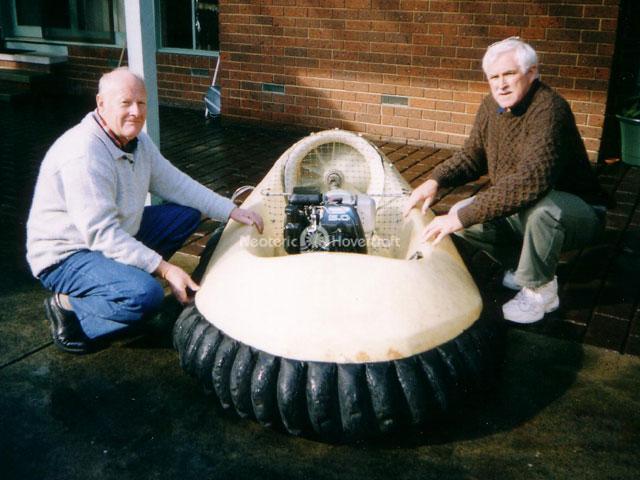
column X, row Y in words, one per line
column 199, row 72
column 273, row 88
column 395, row 100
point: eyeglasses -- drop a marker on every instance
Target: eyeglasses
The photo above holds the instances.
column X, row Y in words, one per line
column 504, row 40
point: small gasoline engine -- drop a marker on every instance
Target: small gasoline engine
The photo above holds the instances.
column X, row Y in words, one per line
column 335, row 221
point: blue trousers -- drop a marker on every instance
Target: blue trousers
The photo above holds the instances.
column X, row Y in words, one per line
column 107, row 295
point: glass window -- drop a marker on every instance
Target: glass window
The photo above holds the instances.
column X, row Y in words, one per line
column 77, row 20
column 95, row 15
column 89, row 21
column 56, row 14
column 207, row 25
column 29, row 13
column 189, row 24
column 176, row 23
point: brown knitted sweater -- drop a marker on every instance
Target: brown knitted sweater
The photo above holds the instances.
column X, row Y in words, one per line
column 526, row 152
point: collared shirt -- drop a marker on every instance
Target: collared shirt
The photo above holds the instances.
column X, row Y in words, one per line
column 128, row 147
column 90, row 195
column 521, row 107
column 526, row 151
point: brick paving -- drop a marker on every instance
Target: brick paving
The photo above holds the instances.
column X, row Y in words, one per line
column 600, row 288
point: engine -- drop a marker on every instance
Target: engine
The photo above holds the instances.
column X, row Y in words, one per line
column 329, row 222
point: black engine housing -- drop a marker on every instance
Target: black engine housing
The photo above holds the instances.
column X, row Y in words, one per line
column 313, row 224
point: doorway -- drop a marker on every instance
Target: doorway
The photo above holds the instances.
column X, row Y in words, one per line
column 625, row 74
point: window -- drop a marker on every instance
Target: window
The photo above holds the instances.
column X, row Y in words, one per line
column 26, row 14
column 78, row 20
column 75, row 20
column 189, row 24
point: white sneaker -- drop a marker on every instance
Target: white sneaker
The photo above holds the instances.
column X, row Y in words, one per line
column 530, row 304
column 509, row 280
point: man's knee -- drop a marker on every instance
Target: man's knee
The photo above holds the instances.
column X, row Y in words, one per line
column 548, row 213
column 563, row 209
column 186, row 219
column 145, row 297
column 192, row 216
column 544, row 216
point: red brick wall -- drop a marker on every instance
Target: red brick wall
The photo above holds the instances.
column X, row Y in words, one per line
column 337, row 58
column 182, row 79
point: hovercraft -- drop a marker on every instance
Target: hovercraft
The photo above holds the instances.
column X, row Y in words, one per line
column 338, row 322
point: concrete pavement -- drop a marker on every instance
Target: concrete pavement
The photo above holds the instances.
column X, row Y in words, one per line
column 561, row 410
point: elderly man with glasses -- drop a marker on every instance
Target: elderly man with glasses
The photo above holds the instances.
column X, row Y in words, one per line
column 543, row 197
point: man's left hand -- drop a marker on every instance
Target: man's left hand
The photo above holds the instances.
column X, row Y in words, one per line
column 181, row 284
column 441, row 226
column 247, row 217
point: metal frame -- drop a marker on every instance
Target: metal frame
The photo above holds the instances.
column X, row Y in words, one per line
column 188, row 51
column 23, row 31
column 64, row 35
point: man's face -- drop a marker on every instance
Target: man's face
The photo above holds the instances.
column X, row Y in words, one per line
column 123, row 105
column 507, row 82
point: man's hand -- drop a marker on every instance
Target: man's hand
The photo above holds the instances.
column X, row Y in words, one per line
column 427, row 192
column 441, row 226
column 247, row 217
column 181, row 284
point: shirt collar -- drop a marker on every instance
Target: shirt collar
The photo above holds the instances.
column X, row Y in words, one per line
column 522, row 107
column 128, row 147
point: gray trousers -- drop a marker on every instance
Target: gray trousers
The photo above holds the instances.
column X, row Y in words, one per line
column 531, row 241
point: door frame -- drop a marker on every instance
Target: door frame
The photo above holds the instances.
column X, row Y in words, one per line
column 15, row 30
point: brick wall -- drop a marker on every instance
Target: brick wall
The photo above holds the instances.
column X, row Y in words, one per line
column 341, row 62
column 182, row 79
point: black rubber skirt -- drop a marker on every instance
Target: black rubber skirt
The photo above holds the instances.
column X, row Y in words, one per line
column 338, row 402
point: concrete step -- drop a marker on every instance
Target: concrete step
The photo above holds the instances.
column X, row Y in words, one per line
column 32, row 57
column 37, row 45
column 18, row 84
column 14, row 86
column 20, row 76
column 15, row 50
column 14, row 93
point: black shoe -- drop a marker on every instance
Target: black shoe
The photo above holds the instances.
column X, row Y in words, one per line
column 65, row 328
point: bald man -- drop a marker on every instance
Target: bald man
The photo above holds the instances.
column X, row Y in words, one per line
column 90, row 238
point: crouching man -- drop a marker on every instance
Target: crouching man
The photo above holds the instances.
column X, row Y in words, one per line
column 90, row 238
column 543, row 197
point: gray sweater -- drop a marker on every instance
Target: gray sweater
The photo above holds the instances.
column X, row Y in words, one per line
column 90, row 195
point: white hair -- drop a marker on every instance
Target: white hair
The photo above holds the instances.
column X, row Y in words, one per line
column 526, row 56
column 108, row 80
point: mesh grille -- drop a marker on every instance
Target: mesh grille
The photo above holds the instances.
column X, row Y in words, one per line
column 334, row 156
column 385, row 184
